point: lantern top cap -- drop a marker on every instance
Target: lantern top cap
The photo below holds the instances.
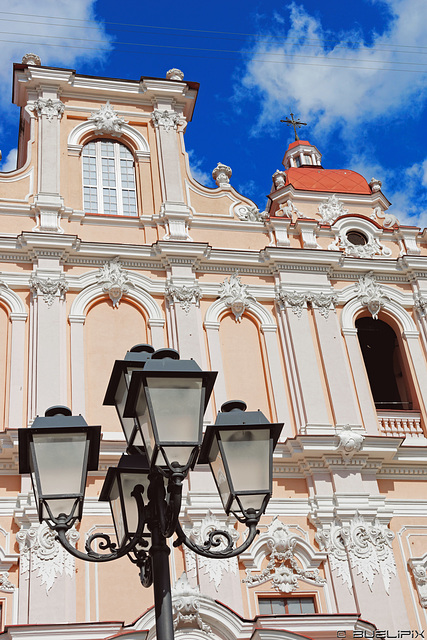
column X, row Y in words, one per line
column 57, row 417
column 233, row 405
column 139, row 352
column 56, row 410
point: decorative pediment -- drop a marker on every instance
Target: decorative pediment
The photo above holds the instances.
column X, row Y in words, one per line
column 106, row 120
column 332, row 209
column 290, row 559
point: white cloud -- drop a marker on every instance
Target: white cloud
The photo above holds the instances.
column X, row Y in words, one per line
column 328, row 95
column 196, row 169
column 9, row 162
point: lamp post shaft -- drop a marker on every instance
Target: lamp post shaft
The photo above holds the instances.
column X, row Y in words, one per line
column 161, row 583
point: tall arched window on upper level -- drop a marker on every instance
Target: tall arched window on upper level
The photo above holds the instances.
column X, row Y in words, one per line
column 384, row 365
column 108, row 178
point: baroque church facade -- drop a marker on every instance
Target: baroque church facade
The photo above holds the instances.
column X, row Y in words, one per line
column 313, row 311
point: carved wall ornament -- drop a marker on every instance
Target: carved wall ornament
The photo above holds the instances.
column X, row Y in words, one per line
column 298, row 300
column 283, row 568
column 31, row 59
column 48, row 107
column 175, row 74
column 167, row 119
column 115, row 280
column 41, row 553
column 420, row 303
column 375, row 185
column 332, row 209
column 235, row 295
column 368, row 250
column 106, row 120
column 251, row 213
column 49, row 288
column 222, row 174
column 390, row 220
column 279, row 179
column 371, row 294
column 289, row 210
column 184, row 295
column 419, row 572
column 186, row 606
column 213, row 568
column 5, row 584
column 349, row 441
column 366, row 545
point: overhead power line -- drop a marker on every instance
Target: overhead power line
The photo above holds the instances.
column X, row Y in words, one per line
column 411, row 48
column 241, row 54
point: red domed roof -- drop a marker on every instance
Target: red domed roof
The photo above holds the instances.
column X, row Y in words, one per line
column 331, row 180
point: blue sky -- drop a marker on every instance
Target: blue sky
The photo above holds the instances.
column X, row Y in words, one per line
column 355, row 71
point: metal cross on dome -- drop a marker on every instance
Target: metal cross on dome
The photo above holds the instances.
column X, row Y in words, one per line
column 295, row 124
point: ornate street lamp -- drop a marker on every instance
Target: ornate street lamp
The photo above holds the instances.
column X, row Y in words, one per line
column 160, row 400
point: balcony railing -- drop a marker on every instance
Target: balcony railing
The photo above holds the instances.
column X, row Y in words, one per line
column 400, row 423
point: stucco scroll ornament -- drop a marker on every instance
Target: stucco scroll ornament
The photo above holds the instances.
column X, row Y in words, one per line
column 222, row 174
column 235, row 295
column 49, row 288
column 115, row 280
column 332, row 209
column 106, row 120
column 5, row 584
column 390, row 220
column 283, row 569
column 289, row 210
column 251, row 213
column 41, row 553
column 167, row 119
column 184, row 295
column 295, row 300
column 368, row 547
column 175, row 74
column 324, row 302
column 420, row 303
column 213, row 568
column 349, row 441
column 371, row 294
column 186, row 606
column 418, row 568
column 48, row 107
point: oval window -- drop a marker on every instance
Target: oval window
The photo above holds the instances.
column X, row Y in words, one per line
column 357, row 238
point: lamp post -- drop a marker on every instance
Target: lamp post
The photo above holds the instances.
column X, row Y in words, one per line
column 160, row 401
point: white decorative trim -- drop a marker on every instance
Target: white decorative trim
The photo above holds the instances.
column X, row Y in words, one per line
column 48, row 107
column 48, row 288
column 390, row 220
column 184, row 295
column 213, row 568
column 235, row 296
column 167, row 119
column 420, row 303
column 287, row 565
column 175, row 74
column 387, row 303
column 297, row 301
column 332, row 209
column 279, row 179
column 222, row 174
column 106, row 120
column 366, row 545
column 289, row 210
column 373, row 246
column 114, row 280
column 77, row 134
column 41, row 552
column 349, row 441
column 186, row 606
column 371, row 294
column 5, row 584
column 250, row 213
column 418, row 566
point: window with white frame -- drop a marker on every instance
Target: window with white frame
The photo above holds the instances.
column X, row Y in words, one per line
column 108, row 178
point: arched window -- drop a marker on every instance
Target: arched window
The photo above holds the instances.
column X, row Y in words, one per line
column 384, row 365
column 108, row 178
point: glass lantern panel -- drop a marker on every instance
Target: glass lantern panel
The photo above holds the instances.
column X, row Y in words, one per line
column 247, row 452
column 176, row 404
column 129, row 482
column 128, row 424
column 218, row 470
column 144, row 422
column 61, row 460
column 175, row 454
column 116, row 511
column 249, row 501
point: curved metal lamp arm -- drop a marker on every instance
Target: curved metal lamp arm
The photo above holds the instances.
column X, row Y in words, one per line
column 214, row 540
column 93, row 556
